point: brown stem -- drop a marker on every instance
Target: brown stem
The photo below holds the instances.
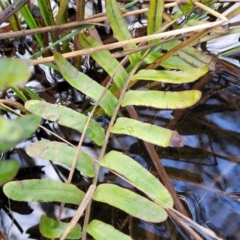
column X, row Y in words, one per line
column 158, row 165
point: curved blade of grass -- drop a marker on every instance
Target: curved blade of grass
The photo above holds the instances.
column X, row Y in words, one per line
column 100, row 231
column 155, row 15
column 31, row 93
column 8, row 170
column 66, row 37
column 105, row 60
column 15, row 131
column 61, row 11
column 19, row 93
column 46, row 12
column 148, row 132
column 85, row 84
column 175, row 77
column 120, row 29
column 130, row 202
column 159, row 99
column 66, row 117
column 43, row 190
column 134, row 172
column 62, row 153
column 51, row 228
column 14, row 72
column 27, row 15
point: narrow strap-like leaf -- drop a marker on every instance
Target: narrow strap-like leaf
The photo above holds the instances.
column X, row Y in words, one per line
column 51, row 228
column 62, row 153
column 105, row 60
column 148, row 132
column 175, row 77
column 67, row 117
column 119, row 28
column 130, row 202
column 159, row 99
column 100, row 230
column 155, row 15
column 85, row 84
column 134, row 172
column 43, row 190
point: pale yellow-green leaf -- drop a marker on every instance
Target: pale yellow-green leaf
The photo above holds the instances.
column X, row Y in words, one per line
column 67, row 117
column 134, row 172
column 62, row 153
column 85, row 84
column 102, row 231
column 130, row 202
column 148, row 132
column 175, row 77
column 159, row 99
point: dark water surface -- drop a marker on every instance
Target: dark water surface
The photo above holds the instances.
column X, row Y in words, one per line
column 205, row 172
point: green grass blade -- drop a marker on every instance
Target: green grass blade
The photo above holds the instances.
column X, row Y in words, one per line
column 134, row 172
column 148, row 132
column 130, row 202
column 66, row 37
column 67, row 117
column 62, row 153
column 19, row 93
column 46, row 12
column 31, row 93
column 85, row 84
column 27, row 15
column 105, row 60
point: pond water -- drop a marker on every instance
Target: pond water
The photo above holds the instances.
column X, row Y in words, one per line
column 205, row 172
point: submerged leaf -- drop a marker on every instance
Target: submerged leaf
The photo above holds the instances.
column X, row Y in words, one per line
column 175, row 77
column 43, row 190
column 67, row 117
column 102, row 231
column 62, row 153
column 8, row 170
column 105, row 60
column 130, row 202
column 51, row 228
column 14, row 72
column 85, row 84
column 148, row 132
column 139, row 176
column 159, row 99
